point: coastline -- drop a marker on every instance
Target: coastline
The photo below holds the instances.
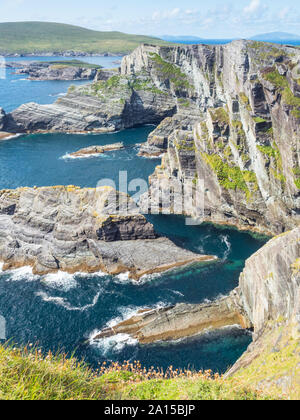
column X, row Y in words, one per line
column 61, row 54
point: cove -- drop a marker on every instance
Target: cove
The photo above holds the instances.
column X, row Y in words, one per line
column 62, row 312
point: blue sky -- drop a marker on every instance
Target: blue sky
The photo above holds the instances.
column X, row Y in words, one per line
column 207, row 19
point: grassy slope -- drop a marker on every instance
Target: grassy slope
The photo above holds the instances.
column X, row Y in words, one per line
column 33, row 37
column 26, row 375
column 275, row 361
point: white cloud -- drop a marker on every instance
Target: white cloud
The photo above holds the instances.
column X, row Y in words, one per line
column 252, row 7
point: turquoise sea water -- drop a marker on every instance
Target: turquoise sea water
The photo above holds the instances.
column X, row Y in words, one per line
column 63, row 312
column 16, row 90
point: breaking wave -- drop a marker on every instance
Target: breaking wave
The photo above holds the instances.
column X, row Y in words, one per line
column 226, row 241
column 65, row 304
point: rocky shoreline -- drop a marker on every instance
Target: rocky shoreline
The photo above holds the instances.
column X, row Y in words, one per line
column 79, row 230
column 226, row 114
column 267, row 301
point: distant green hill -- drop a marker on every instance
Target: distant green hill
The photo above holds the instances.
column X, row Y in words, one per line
column 38, row 37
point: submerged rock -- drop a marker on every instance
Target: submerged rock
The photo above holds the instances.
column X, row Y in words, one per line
column 80, row 230
column 97, row 150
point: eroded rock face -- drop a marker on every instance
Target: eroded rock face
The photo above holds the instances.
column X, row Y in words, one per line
column 269, row 289
column 245, row 144
column 270, row 283
column 73, row 229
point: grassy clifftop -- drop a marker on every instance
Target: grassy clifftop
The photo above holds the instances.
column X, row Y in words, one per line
column 27, row 375
column 37, row 37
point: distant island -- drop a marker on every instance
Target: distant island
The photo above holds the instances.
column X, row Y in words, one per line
column 275, row 37
column 44, row 38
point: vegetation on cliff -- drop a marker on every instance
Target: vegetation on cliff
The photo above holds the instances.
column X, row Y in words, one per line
column 28, row 375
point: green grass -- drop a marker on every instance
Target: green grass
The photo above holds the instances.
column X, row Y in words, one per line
column 171, row 72
column 282, row 84
column 259, row 120
column 219, row 115
column 38, row 37
column 296, row 172
column 276, row 365
column 275, row 78
column 231, row 177
column 73, row 63
column 27, row 375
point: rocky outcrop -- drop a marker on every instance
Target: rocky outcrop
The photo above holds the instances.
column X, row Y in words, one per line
column 47, row 71
column 73, row 229
column 104, row 74
column 104, row 106
column 2, row 119
column 96, row 150
column 180, row 321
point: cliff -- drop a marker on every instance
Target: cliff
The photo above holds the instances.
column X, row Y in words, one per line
column 242, row 101
column 229, row 114
column 80, row 230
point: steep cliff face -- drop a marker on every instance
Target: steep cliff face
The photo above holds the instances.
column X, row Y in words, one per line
column 270, row 283
column 269, row 292
column 245, row 99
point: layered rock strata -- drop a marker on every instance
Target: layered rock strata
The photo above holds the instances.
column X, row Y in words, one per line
column 180, row 321
column 80, row 230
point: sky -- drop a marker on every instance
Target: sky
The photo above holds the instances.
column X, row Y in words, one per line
column 201, row 18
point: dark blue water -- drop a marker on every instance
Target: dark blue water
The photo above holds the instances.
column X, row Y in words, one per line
column 16, row 90
column 63, row 311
